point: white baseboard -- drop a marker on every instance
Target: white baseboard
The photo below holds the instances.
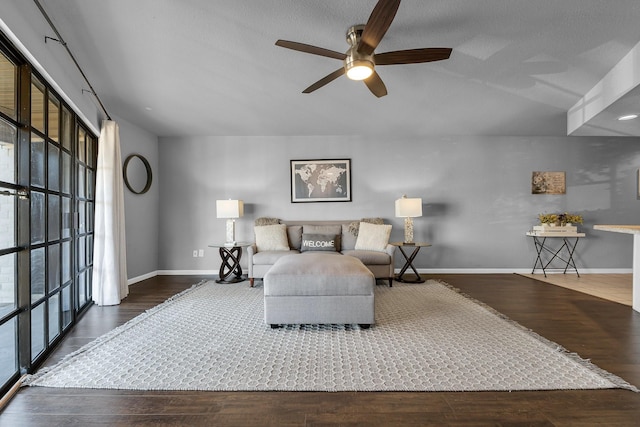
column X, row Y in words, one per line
column 135, row 280
column 187, row 272
column 420, row 270
column 140, row 278
column 516, row 270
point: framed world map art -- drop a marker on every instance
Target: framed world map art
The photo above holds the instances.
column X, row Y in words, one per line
column 321, row 180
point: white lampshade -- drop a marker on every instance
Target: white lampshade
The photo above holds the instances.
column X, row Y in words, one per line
column 229, row 208
column 408, row 208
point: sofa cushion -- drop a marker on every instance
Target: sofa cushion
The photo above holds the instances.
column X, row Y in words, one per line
column 270, row 257
column 294, row 233
column 266, row 221
column 320, row 242
column 271, row 237
column 348, row 239
column 323, row 229
column 370, row 257
column 373, row 237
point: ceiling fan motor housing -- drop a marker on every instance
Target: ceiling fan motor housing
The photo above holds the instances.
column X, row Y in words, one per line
column 355, row 59
column 360, row 60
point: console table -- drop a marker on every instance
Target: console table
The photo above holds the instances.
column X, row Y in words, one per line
column 230, row 270
column 542, row 246
column 409, row 260
column 635, row 230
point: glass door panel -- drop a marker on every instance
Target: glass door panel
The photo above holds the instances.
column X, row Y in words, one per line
column 66, row 173
column 66, row 217
column 37, row 161
column 37, row 217
column 80, row 188
column 7, row 220
column 8, row 350
column 54, row 316
column 8, row 78
column 81, row 145
column 67, row 129
column 37, row 275
column 37, row 331
column 53, row 127
column 53, row 217
column 7, row 284
column 82, row 293
column 82, row 228
column 67, row 306
column 7, row 152
column 53, row 268
column 53, row 154
column 66, row 262
column 37, row 105
column 9, row 310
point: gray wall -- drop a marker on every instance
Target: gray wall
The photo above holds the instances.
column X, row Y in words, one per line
column 141, row 210
column 476, row 193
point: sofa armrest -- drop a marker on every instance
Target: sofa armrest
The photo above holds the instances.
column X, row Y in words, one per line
column 391, row 250
column 252, row 250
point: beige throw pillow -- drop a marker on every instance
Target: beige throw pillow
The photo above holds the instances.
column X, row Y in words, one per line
column 271, row 237
column 373, row 237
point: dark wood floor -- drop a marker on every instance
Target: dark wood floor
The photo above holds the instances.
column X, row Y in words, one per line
column 605, row 332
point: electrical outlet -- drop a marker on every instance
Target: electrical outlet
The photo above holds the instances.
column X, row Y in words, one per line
column 200, row 253
column 195, row 253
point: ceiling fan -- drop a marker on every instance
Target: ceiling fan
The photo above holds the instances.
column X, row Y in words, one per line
column 360, row 59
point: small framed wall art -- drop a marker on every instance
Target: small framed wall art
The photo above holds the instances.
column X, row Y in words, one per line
column 548, row 183
column 321, row 180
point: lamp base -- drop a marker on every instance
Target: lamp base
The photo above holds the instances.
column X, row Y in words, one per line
column 231, row 231
column 408, row 231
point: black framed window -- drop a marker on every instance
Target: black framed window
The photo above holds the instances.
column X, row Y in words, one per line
column 47, row 187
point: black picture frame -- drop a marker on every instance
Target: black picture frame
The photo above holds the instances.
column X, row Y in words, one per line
column 320, row 180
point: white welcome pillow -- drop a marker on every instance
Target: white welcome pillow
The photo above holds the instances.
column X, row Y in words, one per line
column 271, row 237
column 373, row 237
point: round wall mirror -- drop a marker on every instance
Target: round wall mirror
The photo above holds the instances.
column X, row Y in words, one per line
column 137, row 174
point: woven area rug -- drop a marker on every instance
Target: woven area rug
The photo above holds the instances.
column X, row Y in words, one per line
column 427, row 337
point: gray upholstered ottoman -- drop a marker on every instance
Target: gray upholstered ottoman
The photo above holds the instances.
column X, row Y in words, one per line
column 317, row 287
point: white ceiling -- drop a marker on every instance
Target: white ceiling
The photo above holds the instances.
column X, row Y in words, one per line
column 210, row 67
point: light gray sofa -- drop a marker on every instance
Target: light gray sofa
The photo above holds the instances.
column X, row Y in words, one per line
column 380, row 263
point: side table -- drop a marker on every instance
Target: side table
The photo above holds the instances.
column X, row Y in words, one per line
column 542, row 246
column 230, row 269
column 409, row 260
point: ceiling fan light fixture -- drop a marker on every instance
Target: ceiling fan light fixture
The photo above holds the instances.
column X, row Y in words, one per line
column 628, row 117
column 359, row 69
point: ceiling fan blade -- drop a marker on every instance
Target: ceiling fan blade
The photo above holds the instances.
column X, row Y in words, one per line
column 375, row 85
column 377, row 25
column 325, row 80
column 314, row 50
column 413, row 56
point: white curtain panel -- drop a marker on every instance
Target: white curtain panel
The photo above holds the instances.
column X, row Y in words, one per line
column 110, row 255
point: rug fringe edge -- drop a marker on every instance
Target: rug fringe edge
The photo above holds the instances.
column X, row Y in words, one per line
column 575, row 357
column 30, row 379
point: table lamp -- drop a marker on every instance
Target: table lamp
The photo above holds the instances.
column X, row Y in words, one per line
column 408, row 208
column 230, row 209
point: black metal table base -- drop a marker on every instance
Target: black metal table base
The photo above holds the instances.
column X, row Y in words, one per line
column 230, row 270
column 409, row 263
column 542, row 247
